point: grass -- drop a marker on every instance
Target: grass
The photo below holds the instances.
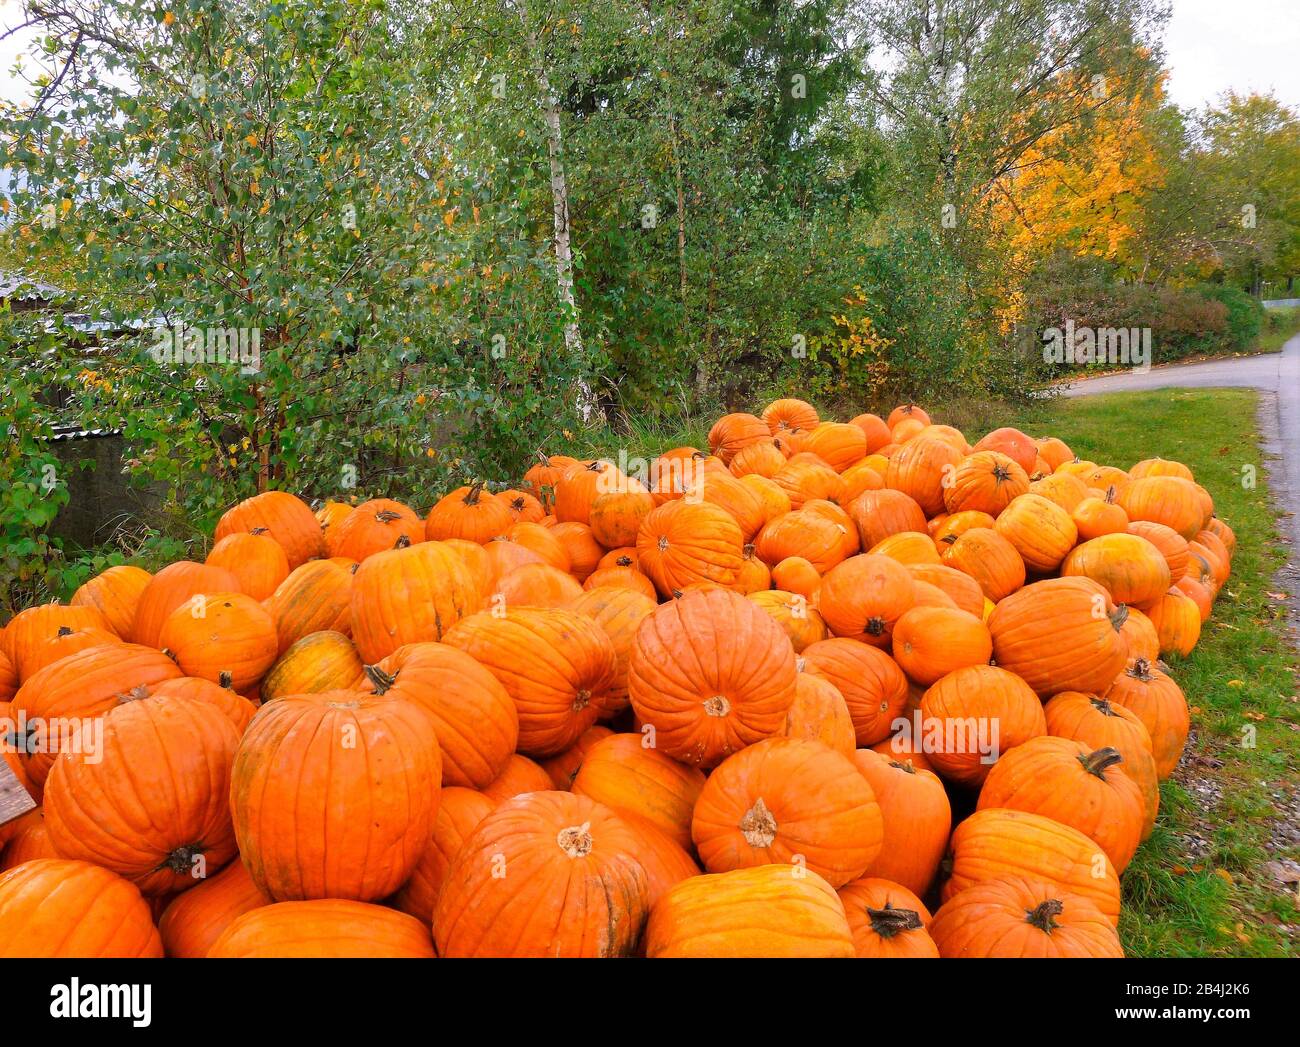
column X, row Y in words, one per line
column 1278, row 326
column 1199, row 886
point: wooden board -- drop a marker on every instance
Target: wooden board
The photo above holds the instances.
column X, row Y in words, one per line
column 15, row 800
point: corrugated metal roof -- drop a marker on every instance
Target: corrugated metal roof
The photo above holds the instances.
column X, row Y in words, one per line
column 21, row 287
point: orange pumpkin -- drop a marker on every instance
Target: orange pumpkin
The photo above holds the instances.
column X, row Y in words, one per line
column 839, row 444
column 579, row 891
column 228, row 638
column 873, row 686
column 459, row 813
column 732, row 432
column 930, row 642
column 1127, row 566
column 193, row 921
column 1177, row 620
column 710, row 673
column 819, row 713
column 1017, row 917
column 993, row 703
column 990, row 559
column 917, row 819
column 864, row 596
column 287, row 519
column 374, row 527
column 812, row 536
column 114, row 592
column 786, row 414
column 535, row 585
column 151, row 800
column 787, row 799
column 1020, row 448
column 325, row 928
column 521, row 775
column 986, row 481
column 1155, row 699
column 557, row 665
column 316, row 597
column 921, row 469
column 471, row 513
column 175, row 584
column 961, row 587
column 1040, row 530
column 887, row 920
column 256, row 559
column 564, row 767
column 683, row 542
column 799, row 619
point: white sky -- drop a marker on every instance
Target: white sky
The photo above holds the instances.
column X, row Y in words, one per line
column 1211, row 45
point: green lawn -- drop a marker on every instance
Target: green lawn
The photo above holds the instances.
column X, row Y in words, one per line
column 1200, row 885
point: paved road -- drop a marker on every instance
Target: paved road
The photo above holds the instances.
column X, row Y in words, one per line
column 1276, row 375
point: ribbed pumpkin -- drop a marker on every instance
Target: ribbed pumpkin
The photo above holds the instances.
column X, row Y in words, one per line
column 1172, row 545
column 459, row 813
column 774, row 500
column 875, row 430
column 921, row 468
column 65, row 642
column 1077, row 786
column 1055, row 452
column 228, row 638
column 887, row 920
column 964, row 590
column 474, row 717
column 56, row 908
column 1177, row 620
column 1127, row 566
column 1168, row 500
column 535, row 585
column 334, row 928
column 767, row 911
column 917, row 818
column 256, row 559
column 175, row 584
column 904, row 412
column 873, row 686
column 711, row 673
column 1020, row 448
column 545, row 874
column 544, row 474
column 819, row 713
column 996, row 842
column 624, row 773
column 798, row 619
column 732, row 432
column 908, row 548
column 1059, row 635
column 878, row 514
column 666, row 862
column 1099, row 724
column 581, row 547
column 152, row 801
column 410, row 595
column 85, row 685
column 806, row 477
column 563, row 767
column 763, row 459
column 813, row 536
column 1140, row 637
column 1063, row 489
column 324, row 661
column 334, row 795
column 683, row 542
column 796, row 575
column 864, row 596
column 1155, row 699
column 1199, row 594
column 540, row 540
column 316, row 597
column 990, row 559
column 1019, row 917
column 616, row 516
column 471, row 512
column 1096, row 517
column 193, row 921
column 839, row 444
column 786, row 414
column 524, row 507
column 287, row 519
column 930, row 642
column 787, row 799
column 905, row 747
column 558, row 666
column 114, row 592
column 858, row 479
column 1040, row 530
column 374, row 527
column 619, row 612
column 991, row 701
column 985, row 481
column 948, row 527
column 234, row 707
column 521, row 775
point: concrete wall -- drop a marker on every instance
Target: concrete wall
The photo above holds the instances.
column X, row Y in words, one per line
column 99, row 498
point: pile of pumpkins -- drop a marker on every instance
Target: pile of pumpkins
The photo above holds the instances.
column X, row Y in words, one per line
column 823, row 689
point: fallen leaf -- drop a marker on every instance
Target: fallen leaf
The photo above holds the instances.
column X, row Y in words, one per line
column 1224, row 875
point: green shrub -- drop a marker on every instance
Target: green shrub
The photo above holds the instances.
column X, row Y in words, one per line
column 1245, row 314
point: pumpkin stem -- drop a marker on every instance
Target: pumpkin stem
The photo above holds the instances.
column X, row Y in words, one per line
column 903, row 766
column 1140, row 670
column 387, row 516
column 181, row 860
column 875, row 627
column 624, row 561
column 575, row 841
column 1102, row 706
column 748, row 551
column 1097, row 762
column 475, row 492
column 1001, row 473
column 139, row 691
column 260, row 530
column 888, row 922
column 581, row 700
column 225, row 679
column 1120, row 617
column 403, row 540
column 1044, row 917
column 380, row 679
column 65, row 631
column 717, row 705
column 1110, row 495
column 758, row 826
